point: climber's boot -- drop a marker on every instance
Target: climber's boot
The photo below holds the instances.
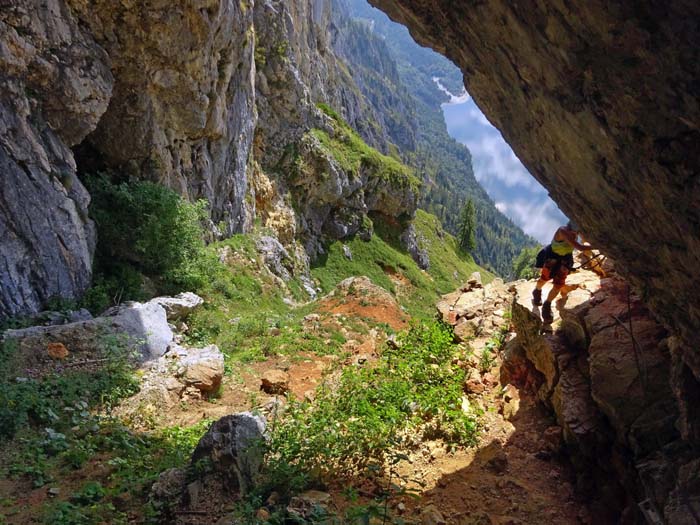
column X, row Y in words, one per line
column 547, row 313
column 537, row 297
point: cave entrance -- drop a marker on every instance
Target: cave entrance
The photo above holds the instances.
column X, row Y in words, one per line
column 436, row 127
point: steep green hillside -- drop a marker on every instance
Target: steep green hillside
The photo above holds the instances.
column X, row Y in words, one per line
column 386, row 263
column 354, row 155
column 394, row 73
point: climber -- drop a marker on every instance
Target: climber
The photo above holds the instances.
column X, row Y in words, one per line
column 558, row 262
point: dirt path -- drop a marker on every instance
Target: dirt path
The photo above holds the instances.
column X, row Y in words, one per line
column 514, row 476
column 510, row 478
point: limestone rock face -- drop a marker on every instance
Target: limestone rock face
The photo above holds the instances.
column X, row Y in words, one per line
column 161, row 90
column 141, row 325
column 54, row 87
column 618, row 392
column 297, row 67
column 334, row 203
column 183, row 107
column 171, row 92
column 600, row 103
column 475, row 308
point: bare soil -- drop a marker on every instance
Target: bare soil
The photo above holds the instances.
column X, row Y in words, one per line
column 512, row 477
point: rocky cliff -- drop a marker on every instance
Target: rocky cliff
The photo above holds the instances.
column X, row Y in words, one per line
column 54, row 87
column 599, row 102
column 304, row 189
column 613, row 378
column 161, row 91
column 182, row 111
column 169, row 92
column 610, row 373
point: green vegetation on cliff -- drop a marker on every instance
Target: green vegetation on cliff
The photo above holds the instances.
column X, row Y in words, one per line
column 355, row 156
column 449, row 266
column 396, row 76
column 386, row 263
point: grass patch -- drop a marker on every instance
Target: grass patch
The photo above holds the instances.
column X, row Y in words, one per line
column 245, row 313
column 358, row 421
column 354, row 155
column 58, row 428
column 383, row 255
column 449, row 265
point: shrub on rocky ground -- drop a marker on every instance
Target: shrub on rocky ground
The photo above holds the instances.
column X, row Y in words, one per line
column 356, row 419
column 144, row 229
column 56, row 431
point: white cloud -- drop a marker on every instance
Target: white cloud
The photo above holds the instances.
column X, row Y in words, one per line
column 539, row 218
column 454, row 99
column 497, row 168
column 479, row 117
column 493, row 158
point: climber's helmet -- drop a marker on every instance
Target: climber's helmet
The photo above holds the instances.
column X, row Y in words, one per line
column 571, row 225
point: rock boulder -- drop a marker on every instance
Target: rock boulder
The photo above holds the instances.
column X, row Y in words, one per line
column 234, row 445
column 141, row 326
column 475, row 308
column 202, row 368
column 179, row 307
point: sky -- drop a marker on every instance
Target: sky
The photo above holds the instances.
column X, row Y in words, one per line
column 516, row 193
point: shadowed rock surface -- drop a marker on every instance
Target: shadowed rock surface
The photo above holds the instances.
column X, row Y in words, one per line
column 234, row 446
column 605, row 373
column 599, row 101
column 54, row 87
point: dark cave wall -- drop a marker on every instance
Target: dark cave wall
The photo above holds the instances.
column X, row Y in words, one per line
column 600, row 102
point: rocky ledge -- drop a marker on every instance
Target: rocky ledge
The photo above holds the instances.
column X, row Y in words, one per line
column 613, row 377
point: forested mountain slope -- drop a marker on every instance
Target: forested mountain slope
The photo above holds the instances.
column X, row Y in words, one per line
column 396, row 76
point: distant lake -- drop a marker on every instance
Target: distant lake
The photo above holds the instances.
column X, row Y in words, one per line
column 516, row 193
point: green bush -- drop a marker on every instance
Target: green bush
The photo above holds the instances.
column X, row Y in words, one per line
column 357, row 421
column 144, row 228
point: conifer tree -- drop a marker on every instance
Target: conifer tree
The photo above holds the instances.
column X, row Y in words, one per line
column 467, row 227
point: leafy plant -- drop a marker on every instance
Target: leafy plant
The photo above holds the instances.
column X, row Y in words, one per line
column 144, row 228
column 487, row 359
column 40, row 402
column 355, row 422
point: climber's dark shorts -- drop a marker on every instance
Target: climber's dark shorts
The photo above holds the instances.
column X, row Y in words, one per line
column 556, row 271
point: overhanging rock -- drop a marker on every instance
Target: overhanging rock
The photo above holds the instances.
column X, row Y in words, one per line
column 599, row 101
